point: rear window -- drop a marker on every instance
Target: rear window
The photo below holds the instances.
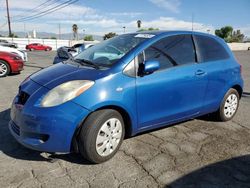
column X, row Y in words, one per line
column 209, row 49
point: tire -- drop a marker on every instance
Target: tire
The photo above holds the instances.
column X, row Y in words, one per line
column 4, row 68
column 31, row 49
column 93, row 130
column 229, row 105
column 46, row 49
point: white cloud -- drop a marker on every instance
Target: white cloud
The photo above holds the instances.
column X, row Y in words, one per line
column 169, row 23
column 171, row 5
column 95, row 22
column 103, row 23
column 129, row 14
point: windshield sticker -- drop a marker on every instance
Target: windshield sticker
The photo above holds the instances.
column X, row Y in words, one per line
column 147, row 36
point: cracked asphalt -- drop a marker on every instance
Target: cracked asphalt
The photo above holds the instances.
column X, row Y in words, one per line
column 195, row 153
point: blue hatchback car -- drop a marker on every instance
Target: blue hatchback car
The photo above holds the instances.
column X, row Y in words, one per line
column 123, row 86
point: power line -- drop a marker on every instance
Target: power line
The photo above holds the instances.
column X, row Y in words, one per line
column 39, row 7
column 48, row 11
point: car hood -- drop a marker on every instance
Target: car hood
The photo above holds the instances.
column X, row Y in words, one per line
column 60, row 73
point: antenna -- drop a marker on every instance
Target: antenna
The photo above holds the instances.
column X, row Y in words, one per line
column 192, row 21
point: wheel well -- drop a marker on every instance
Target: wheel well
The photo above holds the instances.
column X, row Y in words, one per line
column 126, row 119
column 125, row 116
column 239, row 89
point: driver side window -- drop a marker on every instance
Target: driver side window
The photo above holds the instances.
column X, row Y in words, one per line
column 170, row 51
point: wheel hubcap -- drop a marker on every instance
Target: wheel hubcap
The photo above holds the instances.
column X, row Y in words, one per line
column 108, row 137
column 231, row 105
column 3, row 69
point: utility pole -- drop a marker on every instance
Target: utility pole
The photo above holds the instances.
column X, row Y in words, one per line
column 8, row 16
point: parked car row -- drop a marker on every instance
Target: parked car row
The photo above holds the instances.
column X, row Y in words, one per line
column 12, row 59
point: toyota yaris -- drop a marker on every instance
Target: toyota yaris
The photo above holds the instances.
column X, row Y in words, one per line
column 124, row 86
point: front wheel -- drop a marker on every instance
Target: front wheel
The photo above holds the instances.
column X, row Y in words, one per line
column 229, row 105
column 101, row 135
column 4, row 68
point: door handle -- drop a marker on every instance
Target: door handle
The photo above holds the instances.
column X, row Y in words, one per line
column 200, row 72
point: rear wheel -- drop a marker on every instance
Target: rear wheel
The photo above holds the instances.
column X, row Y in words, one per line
column 229, row 105
column 4, row 68
column 101, row 135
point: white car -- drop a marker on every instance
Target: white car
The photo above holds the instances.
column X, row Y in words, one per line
column 79, row 48
column 21, row 53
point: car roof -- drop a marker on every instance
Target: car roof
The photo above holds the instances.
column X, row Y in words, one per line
column 173, row 32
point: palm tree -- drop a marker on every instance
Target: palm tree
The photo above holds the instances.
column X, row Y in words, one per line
column 75, row 31
column 139, row 24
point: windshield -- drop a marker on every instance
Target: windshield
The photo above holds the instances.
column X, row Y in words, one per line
column 110, row 51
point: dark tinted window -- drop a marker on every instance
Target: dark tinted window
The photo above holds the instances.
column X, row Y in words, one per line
column 209, row 49
column 172, row 51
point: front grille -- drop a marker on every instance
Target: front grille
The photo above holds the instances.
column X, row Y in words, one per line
column 15, row 128
column 22, row 97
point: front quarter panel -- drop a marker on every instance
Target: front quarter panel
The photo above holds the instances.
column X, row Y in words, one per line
column 113, row 90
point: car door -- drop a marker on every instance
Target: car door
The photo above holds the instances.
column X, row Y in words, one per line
column 214, row 58
column 33, row 46
column 174, row 92
column 39, row 47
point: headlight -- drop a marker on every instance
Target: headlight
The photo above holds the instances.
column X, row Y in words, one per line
column 65, row 92
column 16, row 57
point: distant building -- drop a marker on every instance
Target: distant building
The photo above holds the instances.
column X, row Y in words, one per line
column 34, row 33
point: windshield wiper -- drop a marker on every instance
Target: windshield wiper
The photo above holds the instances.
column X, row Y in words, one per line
column 85, row 61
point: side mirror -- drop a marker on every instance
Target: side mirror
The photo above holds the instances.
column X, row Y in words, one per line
column 151, row 66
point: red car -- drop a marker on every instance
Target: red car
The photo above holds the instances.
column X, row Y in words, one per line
column 10, row 63
column 37, row 46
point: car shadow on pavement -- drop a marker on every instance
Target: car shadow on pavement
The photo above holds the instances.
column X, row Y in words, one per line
column 231, row 173
column 10, row 147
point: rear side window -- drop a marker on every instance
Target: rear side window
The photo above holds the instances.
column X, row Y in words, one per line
column 172, row 51
column 209, row 49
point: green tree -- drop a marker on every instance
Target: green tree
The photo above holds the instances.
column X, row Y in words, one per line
column 12, row 35
column 75, row 31
column 139, row 24
column 225, row 33
column 109, row 35
column 229, row 35
column 237, row 36
column 52, row 37
column 88, row 38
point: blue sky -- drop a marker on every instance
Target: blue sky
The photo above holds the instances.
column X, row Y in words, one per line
column 102, row 16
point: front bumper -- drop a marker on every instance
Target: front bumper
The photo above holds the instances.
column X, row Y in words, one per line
column 45, row 129
column 16, row 65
